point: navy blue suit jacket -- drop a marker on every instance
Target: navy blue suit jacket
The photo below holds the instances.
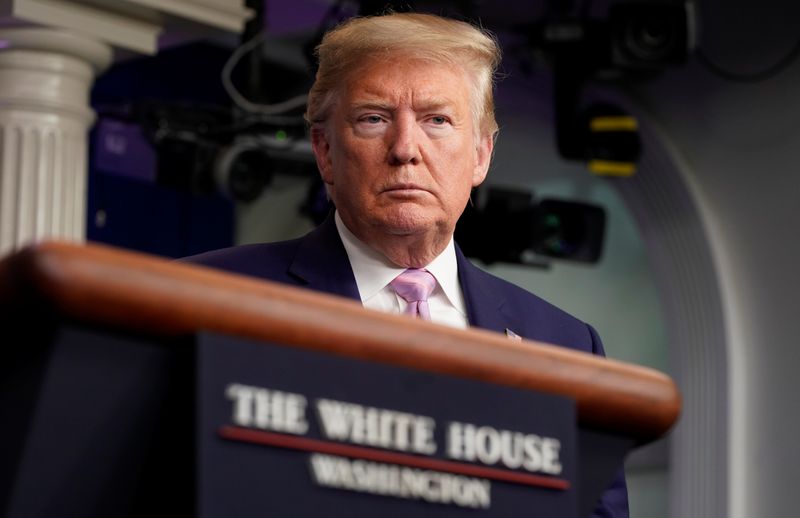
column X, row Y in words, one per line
column 318, row 261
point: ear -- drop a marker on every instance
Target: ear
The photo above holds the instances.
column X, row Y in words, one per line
column 321, row 146
column 483, row 157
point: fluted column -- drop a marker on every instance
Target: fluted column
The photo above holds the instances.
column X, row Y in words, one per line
column 45, row 79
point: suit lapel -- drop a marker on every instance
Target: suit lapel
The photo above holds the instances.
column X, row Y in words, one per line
column 485, row 303
column 321, row 262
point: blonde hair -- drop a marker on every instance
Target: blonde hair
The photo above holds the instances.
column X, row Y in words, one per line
column 422, row 36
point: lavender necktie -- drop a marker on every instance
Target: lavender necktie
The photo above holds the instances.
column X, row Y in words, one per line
column 415, row 286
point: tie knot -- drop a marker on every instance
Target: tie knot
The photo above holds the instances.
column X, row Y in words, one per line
column 414, row 284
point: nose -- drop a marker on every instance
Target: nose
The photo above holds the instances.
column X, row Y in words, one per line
column 404, row 145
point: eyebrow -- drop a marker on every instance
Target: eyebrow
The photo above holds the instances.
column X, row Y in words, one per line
column 433, row 104
column 372, row 105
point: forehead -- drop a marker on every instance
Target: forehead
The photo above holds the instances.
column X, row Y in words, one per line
column 407, row 79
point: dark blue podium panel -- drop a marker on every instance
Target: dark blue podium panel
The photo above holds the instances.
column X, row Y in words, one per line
column 288, row 432
column 95, row 424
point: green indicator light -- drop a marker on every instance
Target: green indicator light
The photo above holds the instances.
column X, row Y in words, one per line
column 281, row 135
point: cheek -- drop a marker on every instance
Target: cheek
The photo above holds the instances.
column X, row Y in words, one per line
column 359, row 152
column 460, row 164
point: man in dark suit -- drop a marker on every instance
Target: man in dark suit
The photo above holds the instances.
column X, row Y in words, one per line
column 402, row 127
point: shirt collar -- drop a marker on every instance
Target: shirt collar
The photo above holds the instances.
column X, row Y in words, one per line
column 373, row 271
column 445, row 268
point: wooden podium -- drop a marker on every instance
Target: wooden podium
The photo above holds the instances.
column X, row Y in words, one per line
column 108, row 356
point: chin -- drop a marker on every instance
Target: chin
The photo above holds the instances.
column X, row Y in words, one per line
column 407, row 222
column 410, row 224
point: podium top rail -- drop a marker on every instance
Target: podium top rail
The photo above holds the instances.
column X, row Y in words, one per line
column 147, row 295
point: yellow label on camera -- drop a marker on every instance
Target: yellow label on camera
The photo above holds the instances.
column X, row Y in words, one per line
column 615, row 123
column 611, row 168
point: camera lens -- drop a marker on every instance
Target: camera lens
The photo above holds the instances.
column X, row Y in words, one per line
column 648, row 35
column 248, row 175
column 243, row 169
column 650, row 39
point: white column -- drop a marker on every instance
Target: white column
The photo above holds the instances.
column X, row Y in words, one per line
column 45, row 80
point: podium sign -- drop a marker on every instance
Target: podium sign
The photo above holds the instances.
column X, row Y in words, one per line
column 117, row 400
column 294, row 432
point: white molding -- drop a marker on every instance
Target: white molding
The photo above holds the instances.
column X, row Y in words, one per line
column 116, row 29
column 129, row 24
column 228, row 15
column 57, row 41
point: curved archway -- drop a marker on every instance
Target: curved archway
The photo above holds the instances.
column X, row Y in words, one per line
column 664, row 205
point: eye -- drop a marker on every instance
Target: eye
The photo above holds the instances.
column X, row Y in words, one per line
column 372, row 119
column 438, row 120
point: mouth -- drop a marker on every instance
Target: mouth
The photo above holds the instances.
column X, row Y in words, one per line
column 405, row 189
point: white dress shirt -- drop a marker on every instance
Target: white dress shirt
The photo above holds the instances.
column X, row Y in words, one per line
column 374, row 272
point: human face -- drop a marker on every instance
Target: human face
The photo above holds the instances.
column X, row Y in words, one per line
column 400, row 152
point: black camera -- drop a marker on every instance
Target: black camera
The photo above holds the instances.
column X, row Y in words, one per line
column 650, row 35
column 510, row 226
